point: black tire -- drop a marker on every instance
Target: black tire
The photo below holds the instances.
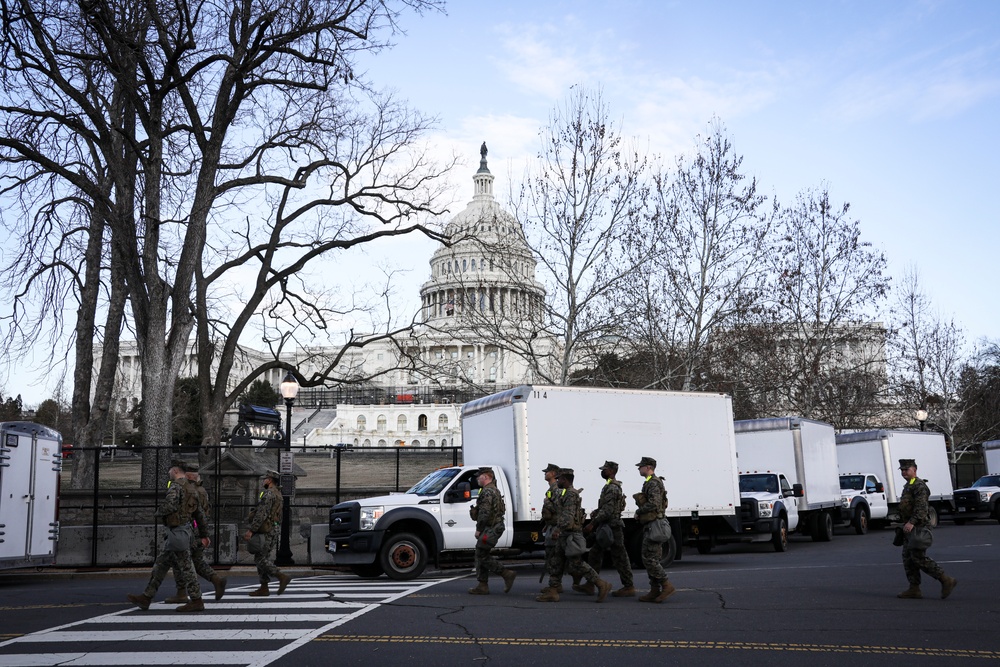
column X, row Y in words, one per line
column 822, row 527
column 403, row 556
column 369, row 571
column 932, row 516
column 861, row 519
column 633, row 547
column 779, row 538
column 704, row 547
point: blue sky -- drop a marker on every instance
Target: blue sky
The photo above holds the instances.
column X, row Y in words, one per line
column 893, row 105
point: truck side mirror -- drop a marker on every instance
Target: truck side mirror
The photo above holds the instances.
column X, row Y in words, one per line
column 879, row 488
column 458, row 493
column 797, row 490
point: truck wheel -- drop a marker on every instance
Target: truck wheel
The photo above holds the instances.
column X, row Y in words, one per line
column 704, row 547
column 779, row 538
column 369, row 571
column 669, row 551
column 634, row 549
column 822, row 527
column 861, row 520
column 403, row 556
column 932, row 516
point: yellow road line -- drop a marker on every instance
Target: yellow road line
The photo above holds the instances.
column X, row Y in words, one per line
column 664, row 644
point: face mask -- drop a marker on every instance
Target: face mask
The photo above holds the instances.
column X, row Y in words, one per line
column 605, row 475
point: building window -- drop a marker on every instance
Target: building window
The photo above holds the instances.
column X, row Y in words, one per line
column 380, row 424
column 414, row 443
column 401, row 423
column 463, row 266
column 362, row 422
column 422, row 423
column 368, row 443
column 430, row 443
column 381, row 443
column 442, row 422
column 473, row 265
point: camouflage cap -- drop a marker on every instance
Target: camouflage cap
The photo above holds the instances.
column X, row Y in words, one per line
column 486, row 470
column 647, row 461
column 907, row 463
column 179, row 463
column 609, row 465
column 192, row 467
column 552, row 467
column 273, row 474
column 566, row 472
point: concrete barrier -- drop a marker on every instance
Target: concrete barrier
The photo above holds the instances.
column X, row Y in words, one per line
column 127, row 545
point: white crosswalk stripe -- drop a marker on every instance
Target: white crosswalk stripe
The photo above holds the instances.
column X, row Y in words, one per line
column 308, row 608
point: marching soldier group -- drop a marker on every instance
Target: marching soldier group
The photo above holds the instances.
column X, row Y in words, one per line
column 565, row 546
column 184, row 515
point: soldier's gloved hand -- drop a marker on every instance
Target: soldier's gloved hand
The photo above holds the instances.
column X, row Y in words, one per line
column 205, row 542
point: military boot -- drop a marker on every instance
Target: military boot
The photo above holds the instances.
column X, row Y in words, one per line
column 283, row 580
column 141, row 601
column 508, row 579
column 261, row 592
column 654, row 590
column 180, row 598
column 482, row 588
column 587, row 588
column 666, row 590
column 624, row 592
column 947, row 586
column 196, row 604
column 548, row 595
column 220, row 586
column 558, row 587
column 603, row 588
column 911, row 593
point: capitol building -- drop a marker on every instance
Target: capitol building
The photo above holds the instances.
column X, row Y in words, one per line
column 480, row 288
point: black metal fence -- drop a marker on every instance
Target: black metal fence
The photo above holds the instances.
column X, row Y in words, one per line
column 323, row 477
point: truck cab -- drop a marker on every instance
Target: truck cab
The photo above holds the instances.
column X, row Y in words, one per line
column 979, row 501
column 396, row 534
column 768, row 508
column 863, row 498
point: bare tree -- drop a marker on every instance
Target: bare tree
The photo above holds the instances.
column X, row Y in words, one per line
column 196, row 111
column 830, row 285
column 708, row 266
column 928, row 361
column 578, row 209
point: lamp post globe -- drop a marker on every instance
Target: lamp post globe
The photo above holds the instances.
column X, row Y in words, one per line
column 289, row 389
column 921, row 417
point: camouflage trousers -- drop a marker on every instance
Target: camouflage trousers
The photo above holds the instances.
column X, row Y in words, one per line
column 184, row 574
column 199, row 561
column 915, row 560
column 486, row 562
column 265, row 559
column 576, row 566
column 619, row 557
column 652, row 552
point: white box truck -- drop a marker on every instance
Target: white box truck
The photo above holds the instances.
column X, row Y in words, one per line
column 788, row 479
column 874, row 456
column 982, row 499
column 30, row 462
column 517, row 433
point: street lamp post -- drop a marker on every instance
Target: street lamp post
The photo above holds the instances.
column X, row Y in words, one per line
column 289, row 388
column 921, row 417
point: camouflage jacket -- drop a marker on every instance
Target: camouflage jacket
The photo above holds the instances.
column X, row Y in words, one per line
column 610, row 505
column 267, row 514
column 913, row 502
column 490, row 508
column 180, row 507
column 550, row 506
column 654, row 501
column 570, row 511
column 203, row 504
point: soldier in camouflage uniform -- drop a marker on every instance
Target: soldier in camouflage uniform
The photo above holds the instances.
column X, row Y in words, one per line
column 609, row 512
column 198, row 544
column 555, row 565
column 177, row 511
column 652, row 502
column 913, row 511
column 488, row 514
column 265, row 519
column 570, row 523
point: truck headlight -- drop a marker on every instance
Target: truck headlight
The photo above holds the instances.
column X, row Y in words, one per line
column 985, row 496
column 765, row 508
column 370, row 516
column 845, row 501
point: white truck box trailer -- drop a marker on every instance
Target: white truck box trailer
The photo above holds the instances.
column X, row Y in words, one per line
column 517, row 433
column 991, row 456
column 788, row 472
column 30, row 462
column 878, row 452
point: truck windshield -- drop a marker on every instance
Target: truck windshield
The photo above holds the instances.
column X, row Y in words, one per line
column 989, row 480
column 853, row 482
column 758, row 483
column 434, row 482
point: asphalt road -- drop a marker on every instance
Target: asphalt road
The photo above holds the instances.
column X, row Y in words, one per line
column 818, row 604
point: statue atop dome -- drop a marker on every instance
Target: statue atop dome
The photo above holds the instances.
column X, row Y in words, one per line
column 483, row 151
